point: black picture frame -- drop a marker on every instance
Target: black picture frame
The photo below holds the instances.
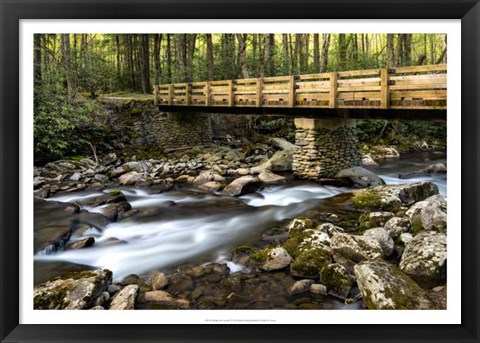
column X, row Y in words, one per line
column 12, row 11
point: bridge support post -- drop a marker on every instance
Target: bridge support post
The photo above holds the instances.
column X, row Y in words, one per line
column 324, row 147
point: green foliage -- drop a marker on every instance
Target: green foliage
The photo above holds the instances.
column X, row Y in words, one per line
column 63, row 125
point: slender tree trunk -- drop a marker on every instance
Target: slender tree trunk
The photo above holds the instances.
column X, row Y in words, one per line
column 145, row 63
column 169, row 59
column 316, row 52
column 442, row 56
column 181, row 56
column 190, row 40
column 37, row 42
column 407, row 49
column 432, row 49
column 325, row 47
column 390, row 51
column 117, row 45
column 399, row 49
column 342, row 51
column 242, row 52
column 67, row 65
column 210, row 61
column 156, row 56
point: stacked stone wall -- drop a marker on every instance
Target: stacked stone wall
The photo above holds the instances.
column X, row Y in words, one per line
column 323, row 149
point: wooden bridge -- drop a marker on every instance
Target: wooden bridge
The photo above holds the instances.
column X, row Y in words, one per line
column 418, row 92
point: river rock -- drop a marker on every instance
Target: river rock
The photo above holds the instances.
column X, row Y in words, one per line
column 425, row 259
column 300, row 287
column 109, row 159
column 282, row 143
column 158, row 281
column 437, row 168
column 356, row 248
column 277, row 258
column 270, row 178
column 370, row 220
column 337, row 280
column 243, row 185
column 166, row 299
column 73, row 291
column 367, row 160
column 76, row 176
column 81, row 243
column 384, row 286
column 430, row 214
column 125, row 299
column 384, row 152
column 397, row 226
column 207, row 176
column 211, row 186
column 405, row 238
column 360, row 177
column 280, row 161
column 112, row 211
column 317, row 289
column 51, row 238
column 382, row 237
column 112, row 197
column 130, row 178
column 394, row 196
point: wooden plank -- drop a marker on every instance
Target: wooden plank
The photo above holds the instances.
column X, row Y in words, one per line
column 323, row 76
column 275, row 78
column 279, row 91
column 314, row 84
column 418, row 77
column 414, row 81
column 419, row 69
column 253, row 92
column 384, row 93
column 359, row 88
column 346, row 74
column 275, row 86
column 418, row 86
column 427, row 95
column 333, row 90
column 230, row 93
column 316, row 96
column 359, row 96
column 259, row 92
column 291, row 91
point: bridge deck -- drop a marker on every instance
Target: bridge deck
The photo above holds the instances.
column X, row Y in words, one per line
column 403, row 88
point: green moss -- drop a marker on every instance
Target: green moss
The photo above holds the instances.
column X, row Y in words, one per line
column 243, row 249
column 336, row 278
column 309, row 263
column 78, row 275
column 115, row 191
column 135, row 110
column 74, row 158
column 416, row 228
column 260, row 256
column 367, row 199
column 291, row 246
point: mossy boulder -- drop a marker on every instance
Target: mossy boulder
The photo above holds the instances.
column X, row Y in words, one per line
column 384, row 286
column 356, row 248
column 390, row 198
column 125, row 299
column 276, row 259
column 337, row 280
column 429, row 214
column 370, row 220
column 380, row 236
column 397, row 226
column 310, row 262
column 72, row 291
column 425, row 259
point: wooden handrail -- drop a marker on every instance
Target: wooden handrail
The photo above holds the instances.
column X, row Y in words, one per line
column 417, row 87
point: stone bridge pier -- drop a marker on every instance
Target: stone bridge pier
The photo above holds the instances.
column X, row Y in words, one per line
column 324, row 147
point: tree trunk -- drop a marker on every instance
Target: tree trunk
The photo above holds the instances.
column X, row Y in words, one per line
column 37, row 43
column 181, row 56
column 145, row 63
column 157, row 42
column 242, row 52
column 390, row 51
column 442, row 56
column 67, row 65
column 399, row 50
column 190, row 40
column 316, row 52
column 407, row 49
column 342, row 51
column 210, row 61
column 117, row 45
column 169, row 59
column 325, row 47
column 432, row 49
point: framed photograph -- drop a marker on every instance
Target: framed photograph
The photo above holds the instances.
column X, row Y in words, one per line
column 246, row 165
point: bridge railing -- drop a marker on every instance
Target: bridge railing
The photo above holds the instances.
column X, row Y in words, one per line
column 418, row 87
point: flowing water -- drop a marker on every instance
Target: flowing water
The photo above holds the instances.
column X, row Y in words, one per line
column 169, row 229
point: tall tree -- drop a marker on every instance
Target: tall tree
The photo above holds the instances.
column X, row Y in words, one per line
column 390, row 51
column 37, row 43
column 157, row 42
column 66, row 61
column 145, row 63
column 316, row 52
column 325, row 47
column 342, row 51
column 210, row 61
column 243, row 54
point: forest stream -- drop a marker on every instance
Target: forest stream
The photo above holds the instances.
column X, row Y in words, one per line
column 192, row 227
